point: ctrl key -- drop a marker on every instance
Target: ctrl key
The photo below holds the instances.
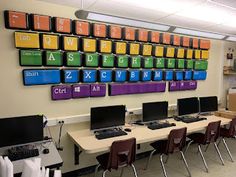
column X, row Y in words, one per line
column 41, row 76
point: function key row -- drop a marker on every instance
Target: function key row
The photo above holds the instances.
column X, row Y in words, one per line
column 36, row 22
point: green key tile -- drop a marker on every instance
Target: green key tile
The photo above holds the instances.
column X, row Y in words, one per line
column 108, row 60
column 31, row 58
column 180, row 63
column 135, row 62
column 53, row 58
column 160, row 62
column 122, row 61
column 73, row 59
column 91, row 59
column 201, row 65
column 189, row 64
column 147, row 62
column 170, row 63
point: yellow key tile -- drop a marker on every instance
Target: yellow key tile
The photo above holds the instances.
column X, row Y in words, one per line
column 26, row 40
column 197, row 54
column 159, row 51
column 89, row 45
column 170, row 52
column 134, row 49
column 50, row 41
column 205, row 54
column 147, row 49
column 70, row 43
column 189, row 54
column 120, row 48
column 105, row 46
column 180, row 53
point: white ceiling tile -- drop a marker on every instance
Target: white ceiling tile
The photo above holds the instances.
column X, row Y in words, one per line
column 222, row 29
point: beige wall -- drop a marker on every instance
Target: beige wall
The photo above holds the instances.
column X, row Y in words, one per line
column 17, row 99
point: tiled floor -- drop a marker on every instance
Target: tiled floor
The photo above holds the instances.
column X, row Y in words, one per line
column 176, row 168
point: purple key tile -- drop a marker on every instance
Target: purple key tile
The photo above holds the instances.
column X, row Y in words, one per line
column 80, row 90
column 174, row 86
column 98, row 90
column 192, row 85
column 159, row 86
column 184, row 85
column 117, row 89
column 61, row 92
column 133, row 88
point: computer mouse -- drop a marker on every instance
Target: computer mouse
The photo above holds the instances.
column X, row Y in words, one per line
column 46, row 151
column 203, row 118
column 127, row 130
column 176, row 118
column 173, row 124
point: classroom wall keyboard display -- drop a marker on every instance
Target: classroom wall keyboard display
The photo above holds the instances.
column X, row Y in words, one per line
column 80, row 57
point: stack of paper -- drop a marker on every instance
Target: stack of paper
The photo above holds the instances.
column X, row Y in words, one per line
column 6, row 167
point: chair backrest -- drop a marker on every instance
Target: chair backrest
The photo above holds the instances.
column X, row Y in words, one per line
column 212, row 132
column 176, row 140
column 122, row 153
column 232, row 129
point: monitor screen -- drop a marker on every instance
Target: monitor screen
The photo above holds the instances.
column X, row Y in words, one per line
column 155, row 111
column 208, row 104
column 109, row 116
column 21, row 130
column 187, row 106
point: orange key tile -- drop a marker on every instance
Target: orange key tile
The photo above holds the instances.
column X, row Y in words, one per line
column 185, row 41
column 142, row 35
column 62, row 25
column 176, row 40
column 166, row 38
column 41, row 22
column 82, row 28
column 205, row 44
column 115, row 32
column 99, row 30
column 195, row 43
column 155, row 36
column 129, row 33
column 16, row 20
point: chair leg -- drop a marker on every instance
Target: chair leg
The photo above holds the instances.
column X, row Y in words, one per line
column 104, row 173
column 149, row 159
column 96, row 170
column 186, row 164
column 203, row 159
column 167, row 158
column 162, row 165
column 227, row 148
column 207, row 147
column 219, row 142
column 190, row 142
column 218, row 152
column 122, row 171
column 134, row 170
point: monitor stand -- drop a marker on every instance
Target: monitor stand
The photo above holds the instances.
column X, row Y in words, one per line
column 206, row 114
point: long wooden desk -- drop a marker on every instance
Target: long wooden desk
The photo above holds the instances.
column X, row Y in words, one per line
column 86, row 140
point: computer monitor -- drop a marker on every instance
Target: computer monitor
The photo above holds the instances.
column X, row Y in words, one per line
column 153, row 111
column 208, row 104
column 21, row 130
column 187, row 106
column 106, row 117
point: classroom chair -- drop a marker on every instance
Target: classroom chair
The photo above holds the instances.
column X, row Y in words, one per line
column 228, row 133
column 122, row 154
column 175, row 143
column 211, row 135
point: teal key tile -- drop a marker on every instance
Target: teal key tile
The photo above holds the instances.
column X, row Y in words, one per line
column 73, row 59
column 122, row 61
column 53, row 58
column 135, row 62
column 159, row 63
column 147, row 62
column 91, row 59
column 108, row 61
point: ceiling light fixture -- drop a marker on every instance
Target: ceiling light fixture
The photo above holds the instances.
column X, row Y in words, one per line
column 198, row 33
column 94, row 16
column 231, row 38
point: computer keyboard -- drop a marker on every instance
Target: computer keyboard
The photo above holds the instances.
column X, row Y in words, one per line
column 155, row 126
column 190, row 119
column 109, row 134
column 23, row 153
